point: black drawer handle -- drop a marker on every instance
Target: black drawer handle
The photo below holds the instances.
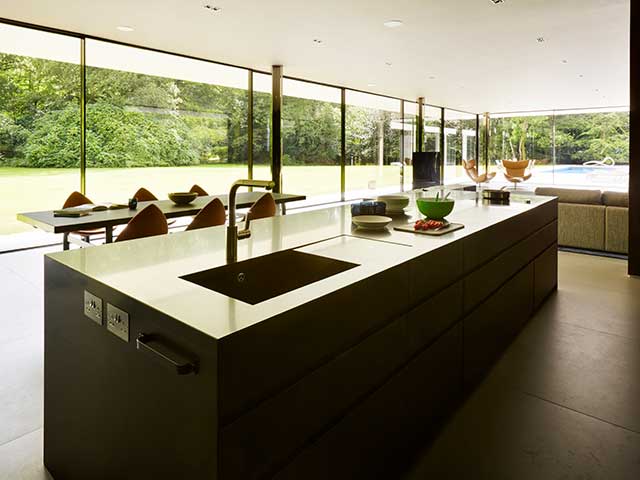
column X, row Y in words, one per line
column 178, row 365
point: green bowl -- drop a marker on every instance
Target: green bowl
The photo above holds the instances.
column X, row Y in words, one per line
column 436, row 210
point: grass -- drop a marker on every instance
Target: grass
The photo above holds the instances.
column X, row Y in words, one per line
column 32, row 189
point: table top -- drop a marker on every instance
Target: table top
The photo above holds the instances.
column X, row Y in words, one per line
column 46, row 221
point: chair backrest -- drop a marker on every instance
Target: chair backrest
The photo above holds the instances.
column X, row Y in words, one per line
column 471, row 170
column 264, row 207
column 516, row 168
column 199, row 190
column 75, row 199
column 148, row 222
column 144, row 195
column 211, row 215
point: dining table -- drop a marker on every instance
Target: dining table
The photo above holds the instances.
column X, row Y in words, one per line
column 108, row 219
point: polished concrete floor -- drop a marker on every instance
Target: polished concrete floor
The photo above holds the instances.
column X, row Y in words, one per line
column 563, row 402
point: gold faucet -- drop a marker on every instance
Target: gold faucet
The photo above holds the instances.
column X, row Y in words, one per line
column 232, row 229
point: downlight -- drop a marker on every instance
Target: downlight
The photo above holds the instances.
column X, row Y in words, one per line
column 393, row 23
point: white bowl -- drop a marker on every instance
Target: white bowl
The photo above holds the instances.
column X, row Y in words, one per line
column 371, row 222
column 395, row 203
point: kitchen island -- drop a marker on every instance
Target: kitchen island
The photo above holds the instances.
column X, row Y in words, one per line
column 150, row 375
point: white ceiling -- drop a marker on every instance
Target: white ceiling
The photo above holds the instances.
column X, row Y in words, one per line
column 484, row 57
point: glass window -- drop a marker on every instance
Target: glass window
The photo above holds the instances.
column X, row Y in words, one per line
column 39, row 123
column 592, row 148
column 432, row 128
column 374, row 136
column 523, row 137
column 261, row 126
column 311, row 140
column 162, row 122
column 460, row 142
column 410, row 127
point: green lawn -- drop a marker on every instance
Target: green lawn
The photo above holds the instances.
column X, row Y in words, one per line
column 31, row 189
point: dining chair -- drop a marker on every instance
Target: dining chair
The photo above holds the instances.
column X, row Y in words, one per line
column 74, row 200
column 264, row 207
column 150, row 221
column 144, row 195
column 211, row 215
column 199, row 190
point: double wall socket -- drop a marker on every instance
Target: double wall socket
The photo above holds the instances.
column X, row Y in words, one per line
column 93, row 307
column 118, row 322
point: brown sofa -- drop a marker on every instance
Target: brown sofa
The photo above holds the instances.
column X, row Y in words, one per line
column 591, row 219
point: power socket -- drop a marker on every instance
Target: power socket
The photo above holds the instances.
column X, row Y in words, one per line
column 93, row 307
column 118, row 322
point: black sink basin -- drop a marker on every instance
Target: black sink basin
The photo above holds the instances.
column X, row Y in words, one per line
column 258, row 279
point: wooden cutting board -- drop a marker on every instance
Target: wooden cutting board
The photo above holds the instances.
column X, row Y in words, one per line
column 452, row 227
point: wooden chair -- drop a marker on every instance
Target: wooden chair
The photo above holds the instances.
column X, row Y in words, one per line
column 199, row 190
column 211, row 215
column 144, row 195
column 471, row 169
column 264, row 207
column 74, row 200
column 517, row 171
column 150, row 221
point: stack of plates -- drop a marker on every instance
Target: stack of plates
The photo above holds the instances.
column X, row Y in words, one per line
column 395, row 203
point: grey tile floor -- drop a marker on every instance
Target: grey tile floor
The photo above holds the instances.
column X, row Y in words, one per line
column 562, row 403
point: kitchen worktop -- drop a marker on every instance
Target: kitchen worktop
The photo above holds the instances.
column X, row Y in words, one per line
column 148, row 270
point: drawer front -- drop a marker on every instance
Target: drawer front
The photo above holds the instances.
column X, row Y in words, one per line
column 433, row 272
column 489, row 329
column 259, row 442
column 384, row 425
column 488, row 278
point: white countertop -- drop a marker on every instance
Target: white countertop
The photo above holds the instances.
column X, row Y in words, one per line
column 148, row 270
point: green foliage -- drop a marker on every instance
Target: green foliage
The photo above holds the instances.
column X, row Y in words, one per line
column 12, row 137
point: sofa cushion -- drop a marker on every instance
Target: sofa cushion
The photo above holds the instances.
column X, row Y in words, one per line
column 616, row 199
column 571, row 195
column 581, row 226
column 617, row 230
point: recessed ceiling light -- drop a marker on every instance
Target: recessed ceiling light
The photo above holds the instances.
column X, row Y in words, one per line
column 497, row 2
column 371, row 84
column 124, row 28
column 213, row 8
column 565, row 61
column 318, row 41
column 540, row 39
column 388, row 64
column 432, row 77
column 580, row 76
column 393, row 23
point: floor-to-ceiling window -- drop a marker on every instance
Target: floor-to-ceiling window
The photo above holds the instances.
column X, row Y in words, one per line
column 432, row 128
column 311, row 138
column 162, row 122
column 261, row 126
column 579, row 148
column 460, row 144
column 410, row 130
column 39, row 122
column 374, row 135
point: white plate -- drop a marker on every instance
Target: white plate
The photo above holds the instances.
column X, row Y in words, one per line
column 371, row 222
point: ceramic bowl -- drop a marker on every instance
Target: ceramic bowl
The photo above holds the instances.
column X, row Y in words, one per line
column 435, row 209
column 182, row 198
column 371, row 222
column 395, row 203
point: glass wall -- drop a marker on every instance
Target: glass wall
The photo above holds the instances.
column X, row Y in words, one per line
column 410, row 129
column 374, row 136
column 311, row 139
column 460, row 144
column 261, row 126
column 162, row 122
column 39, row 122
column 432, row 128
column 580, row 148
